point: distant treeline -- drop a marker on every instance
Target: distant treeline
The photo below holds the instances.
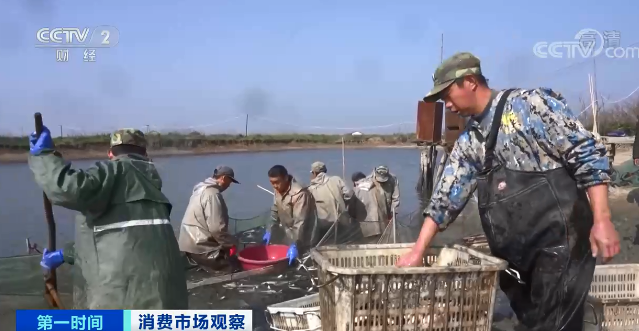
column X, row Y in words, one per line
column 618, row 116
column 196, row 139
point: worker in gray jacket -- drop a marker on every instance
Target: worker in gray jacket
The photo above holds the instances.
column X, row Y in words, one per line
column 204, row 234
column 294, row 213
column 368, row 208
column 388, row 185
column 331, row 195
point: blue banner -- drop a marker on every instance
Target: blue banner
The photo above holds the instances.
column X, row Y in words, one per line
column 67, row 320
column 133, row 320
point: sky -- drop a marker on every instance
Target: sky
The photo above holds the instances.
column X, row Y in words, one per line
column 292, row 66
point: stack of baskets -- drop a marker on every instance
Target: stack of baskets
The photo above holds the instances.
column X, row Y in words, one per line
column 478, row 242
column 302, row 314
column 361, row 289
column 615, row 294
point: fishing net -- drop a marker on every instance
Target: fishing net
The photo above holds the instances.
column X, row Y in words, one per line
column 23, row 275
column 625, row 174
column 22, row 287
column 405, row 228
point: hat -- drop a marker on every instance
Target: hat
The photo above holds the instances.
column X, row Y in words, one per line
column 456, row 66
column 128, row 136
column 381, row 174
column 223, row 170
column 318, row 167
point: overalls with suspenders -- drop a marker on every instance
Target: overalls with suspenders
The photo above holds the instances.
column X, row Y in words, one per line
column 540, row 223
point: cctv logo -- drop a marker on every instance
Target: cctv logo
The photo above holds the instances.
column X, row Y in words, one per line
column 101, row 36
column 46, row 35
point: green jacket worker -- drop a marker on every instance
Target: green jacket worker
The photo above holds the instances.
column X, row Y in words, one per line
column 125, row 248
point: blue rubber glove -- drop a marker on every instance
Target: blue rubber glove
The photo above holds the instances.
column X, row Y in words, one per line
column 38, row 144
column 267, row 237
column 52, row 260
column 291, row 253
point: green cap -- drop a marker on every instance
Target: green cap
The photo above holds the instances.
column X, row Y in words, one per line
column 382, row 174
column 318, row 167
column 456, row 66
column 128, row 136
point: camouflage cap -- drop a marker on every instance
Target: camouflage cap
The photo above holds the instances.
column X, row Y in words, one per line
column 382, row 174
column 128, row 136
column 318, row 167
column 456, row 66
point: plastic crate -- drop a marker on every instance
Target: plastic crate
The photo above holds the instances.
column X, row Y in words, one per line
column 361, row 289
column 615, row 290
column 483, row 247
column 297, row 314
column 477, row 242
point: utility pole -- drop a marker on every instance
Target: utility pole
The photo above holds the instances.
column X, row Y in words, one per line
column 594, row 80
column 246, row 127
column 61, row 131
column 441, row 51
column 147, row 129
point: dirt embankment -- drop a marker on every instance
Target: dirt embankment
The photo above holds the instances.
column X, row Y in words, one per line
column 8, row 156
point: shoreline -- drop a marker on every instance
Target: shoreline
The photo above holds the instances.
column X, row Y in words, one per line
column 10, row 157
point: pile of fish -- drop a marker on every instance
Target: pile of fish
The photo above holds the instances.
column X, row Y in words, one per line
column 477, row 241
column 275, row 284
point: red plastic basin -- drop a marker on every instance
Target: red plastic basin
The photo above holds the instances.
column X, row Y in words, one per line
column 256, row 257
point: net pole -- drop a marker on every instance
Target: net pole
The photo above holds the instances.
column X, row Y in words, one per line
column 343, row 159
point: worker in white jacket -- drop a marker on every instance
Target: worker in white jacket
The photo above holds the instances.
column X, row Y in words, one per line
column 388, row 185
column 204, row 234
column 368, row 208
column 331, row 195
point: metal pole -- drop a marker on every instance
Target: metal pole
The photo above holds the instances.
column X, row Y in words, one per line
column 394, row 227
column 441, row 50
column 343, row 160
column 50, row 279
column 246, row 127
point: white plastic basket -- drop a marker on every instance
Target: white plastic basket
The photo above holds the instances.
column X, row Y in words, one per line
column 302, row 314
column 362, row 290
column 615, row 289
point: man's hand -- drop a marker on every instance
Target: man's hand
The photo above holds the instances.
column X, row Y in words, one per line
column 37, row 144
column 291, row 254
column 413, row 258
column 266, row 238
column 52, row 260
column 604, row 240
column 637, row 162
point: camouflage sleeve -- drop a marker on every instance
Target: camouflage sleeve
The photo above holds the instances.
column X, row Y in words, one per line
column 73, row 189
column 560, row 133
column 454, row 188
